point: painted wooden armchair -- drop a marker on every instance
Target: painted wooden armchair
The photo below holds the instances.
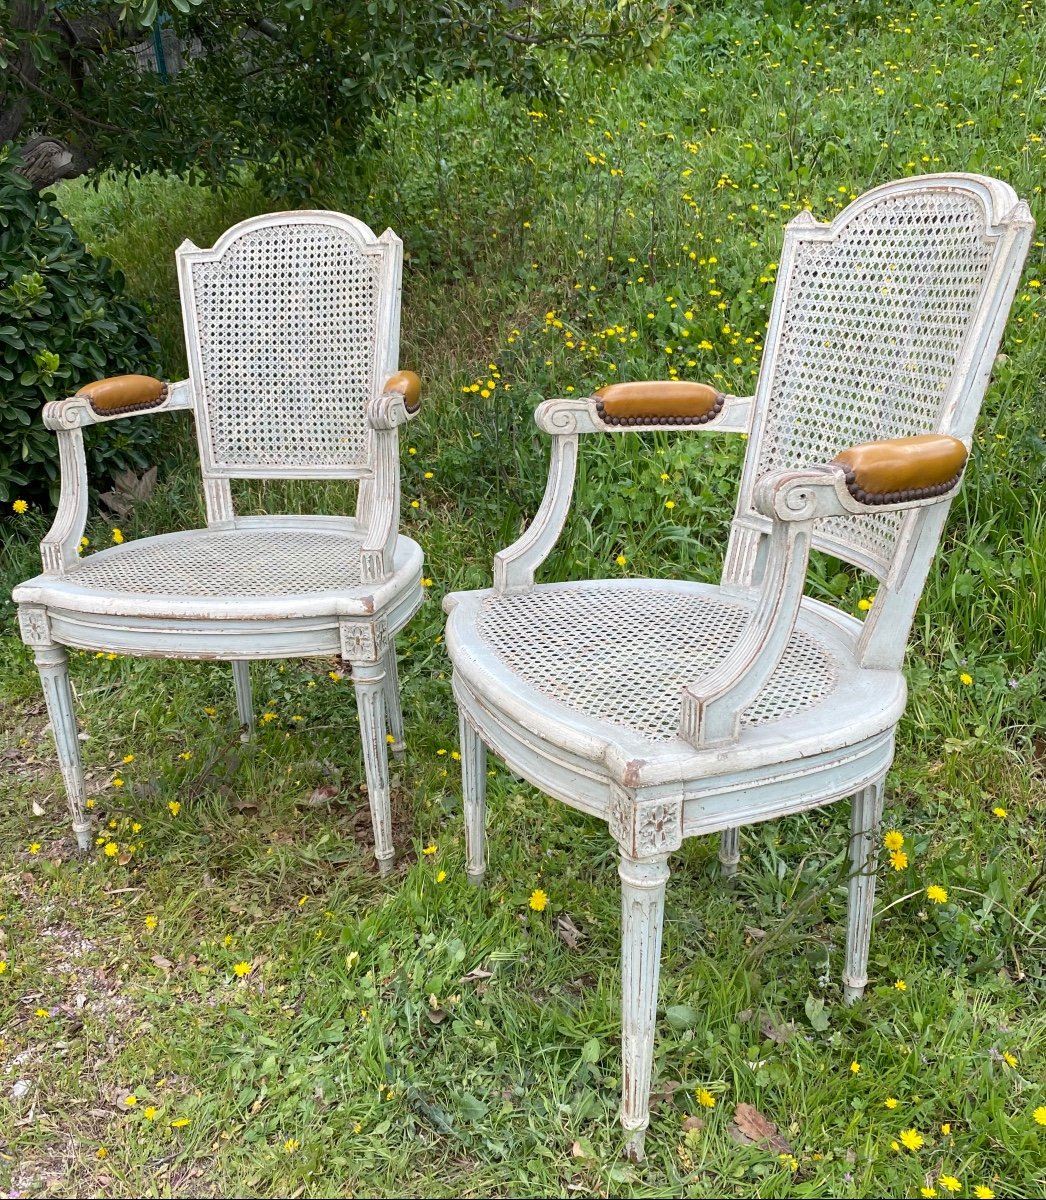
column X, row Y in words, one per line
column 292, row 330
column 670, row 708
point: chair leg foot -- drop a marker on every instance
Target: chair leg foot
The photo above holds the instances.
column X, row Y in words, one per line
column 474, row 796
column 635, row 1147
column 53, row 665
column 369, row 682
column 729, row 852
column 476, row 878
column 642, row 917
column 386, row 866
column 865, row 814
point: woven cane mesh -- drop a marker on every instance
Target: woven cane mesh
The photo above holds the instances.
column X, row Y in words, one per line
column 871, row 338
column 287, row 325
column 624, row 655
column 227, row 563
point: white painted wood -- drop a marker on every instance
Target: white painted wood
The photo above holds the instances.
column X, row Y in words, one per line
column 729, row 852
column 241, row 678
column 673, row 709
column 474, row 795
column 369, row 681
column 393, row 706
column 292, row 328
column 53, row 665
column 865, row 814
column 642, row 918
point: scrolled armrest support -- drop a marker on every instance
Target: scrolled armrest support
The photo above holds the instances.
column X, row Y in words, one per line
column 400, row 400
column 120, row 396
column 892, row 475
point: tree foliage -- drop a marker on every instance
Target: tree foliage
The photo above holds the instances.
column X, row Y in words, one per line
column 64, row 321
column 282, row 85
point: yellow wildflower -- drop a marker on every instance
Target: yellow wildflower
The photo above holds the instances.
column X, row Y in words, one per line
column 242, row 968
column 893, row 839
column 174, row 807
column 898, row 860
column 965, row 679
column 983, row 1193
column 901, row 986
column 117, row 536
column 855, row 1066
column 431, row 848
column 705, row 1098
column 151, row 922
column 1040, row 1115
column 20, row 506
column 149, row 1112
column 111, row 849
column 1000, row 812
column 950, row 1182
column 890, row 1102
column 912, row 1139
column 538, row 900
column 937, row 894
column 290, row 1145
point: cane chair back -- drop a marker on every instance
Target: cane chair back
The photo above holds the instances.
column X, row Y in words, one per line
column 881, row 327
column 292, row 325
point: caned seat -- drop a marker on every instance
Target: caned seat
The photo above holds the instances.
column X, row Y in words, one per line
column 673, row 708
column 292, row 335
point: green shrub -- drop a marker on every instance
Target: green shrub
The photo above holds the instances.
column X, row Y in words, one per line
column 64, row 321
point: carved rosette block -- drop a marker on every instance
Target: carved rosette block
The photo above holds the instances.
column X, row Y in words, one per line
column 364, row 641
column 34, row 625
column 647, row 827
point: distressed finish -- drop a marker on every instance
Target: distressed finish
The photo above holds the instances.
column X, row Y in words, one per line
column 292, row 332
column 672, row 709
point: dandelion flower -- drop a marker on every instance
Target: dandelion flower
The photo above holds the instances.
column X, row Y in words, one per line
column 118, row 536
column 151, row 922
column 901, row 986
column 893, row 840
column 34, row 847
column 441, row 876
column 937, row 894
column 149, row 1112
column 102, row 1152
column 621, row 560
column 1000, row 812
column 3, row 968
column 174, row 807
column 1040, row 1115
column 1009, row 1059
column 290, row 1145
column 670, row 504
column 898, row 860
column 241, row 969
column 538, row 900
column 950, row 1182
column 864, row 604
column 912, row 1139
column 130, row 1101
column 946, row 1128
column 431, row 848
column 20, row 507
column 928, row 1192
column 111, row 849
column 855, row 1066
column 965, row 679
column 180, row 1123
column 983, row 1193
column 705, row 1098
column 891, row 1102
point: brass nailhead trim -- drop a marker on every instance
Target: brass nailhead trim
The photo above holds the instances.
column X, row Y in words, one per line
column 903, row 497
column 128, row 408
column 712, row 413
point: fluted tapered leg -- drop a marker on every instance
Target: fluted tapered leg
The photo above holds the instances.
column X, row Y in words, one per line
column 393, row 705
column 369, row 682
column 53, row 664
column 865, row 814
column 642, row 916
column 729, row 852
column 474, row 795
column 241, row 678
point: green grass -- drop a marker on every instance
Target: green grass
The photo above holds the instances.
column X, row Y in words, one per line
column 368, row 1051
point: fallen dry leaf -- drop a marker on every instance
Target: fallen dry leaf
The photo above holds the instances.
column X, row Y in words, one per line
column 690, row 1123
column 576, row 1150
column 751, row 1128
column 164, row 964
column 568, row 932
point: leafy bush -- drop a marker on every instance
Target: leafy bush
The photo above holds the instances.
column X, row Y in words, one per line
column 64, row 321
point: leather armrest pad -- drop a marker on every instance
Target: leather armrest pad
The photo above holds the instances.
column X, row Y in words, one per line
column 409, row 387
column 656, row 401
column 124, row 393
column 901, row 469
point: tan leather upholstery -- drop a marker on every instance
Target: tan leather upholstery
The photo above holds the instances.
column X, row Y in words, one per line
column 409, row 387
column 124, row 393
column 902, row 469
column 658, row 401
